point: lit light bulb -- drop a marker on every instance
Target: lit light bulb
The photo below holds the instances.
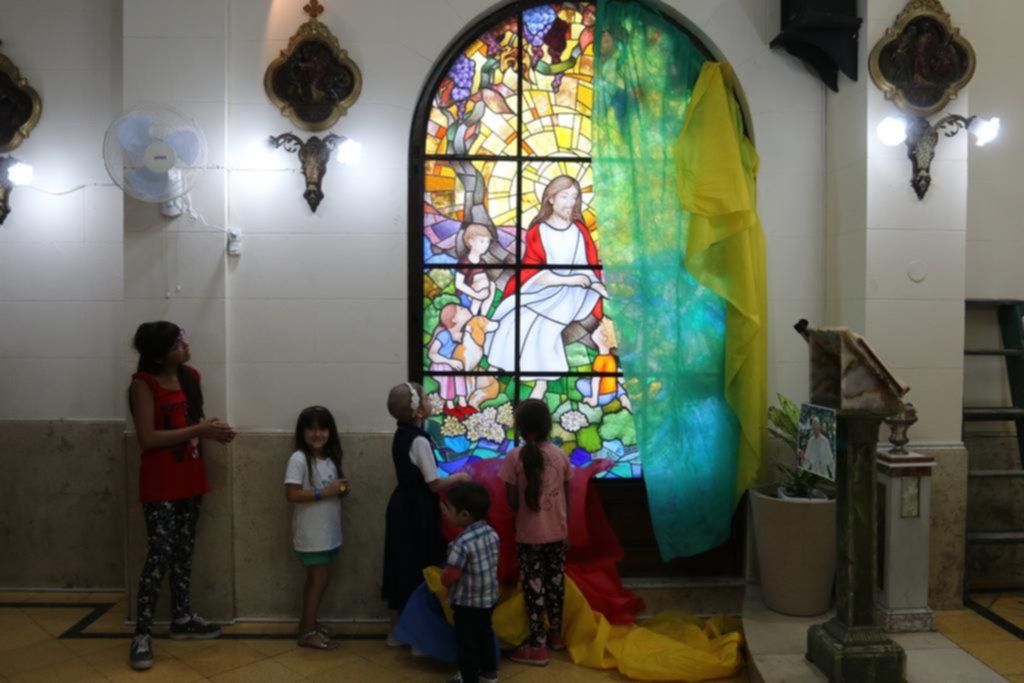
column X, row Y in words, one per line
column 20, row 174
column 350, row 152
column 892, row 131
column 984, row 130
column 258, row 156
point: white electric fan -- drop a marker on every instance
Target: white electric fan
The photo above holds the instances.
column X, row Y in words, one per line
column 155, row 154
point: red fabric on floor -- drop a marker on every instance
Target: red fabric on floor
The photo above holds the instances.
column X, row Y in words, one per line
column 594, row 549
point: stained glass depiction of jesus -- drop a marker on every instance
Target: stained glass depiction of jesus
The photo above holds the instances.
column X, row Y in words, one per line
column 513, row 298
column 549, row 300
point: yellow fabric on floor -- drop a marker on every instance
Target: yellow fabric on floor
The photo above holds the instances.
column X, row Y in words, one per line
column 669, row 647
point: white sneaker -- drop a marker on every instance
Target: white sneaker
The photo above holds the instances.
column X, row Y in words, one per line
column 392, row 641
column 416, row 652
column 457, row 678
column 140, row 654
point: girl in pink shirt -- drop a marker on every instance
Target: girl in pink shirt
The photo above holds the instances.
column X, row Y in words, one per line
column 536, row 477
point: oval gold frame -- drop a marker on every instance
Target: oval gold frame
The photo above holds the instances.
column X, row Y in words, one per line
column 914, row 10
column 316, row 32
column 8, row 68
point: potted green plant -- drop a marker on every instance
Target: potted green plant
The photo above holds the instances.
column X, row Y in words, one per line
column 794, row 528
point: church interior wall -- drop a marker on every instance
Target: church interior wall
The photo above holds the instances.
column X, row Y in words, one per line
column 314, row 310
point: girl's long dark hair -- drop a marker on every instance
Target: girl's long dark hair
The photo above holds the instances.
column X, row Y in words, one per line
column 318, row 416
column 533, row 420
column 154, row 341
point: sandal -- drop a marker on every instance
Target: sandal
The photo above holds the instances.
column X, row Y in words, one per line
column 317, row 641
column 324, row 630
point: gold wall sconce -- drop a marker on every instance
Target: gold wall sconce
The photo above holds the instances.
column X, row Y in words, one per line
column 314, row 154
column 314, row 83
column 920, row 64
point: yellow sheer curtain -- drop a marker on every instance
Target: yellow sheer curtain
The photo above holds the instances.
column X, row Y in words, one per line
column 716, row 170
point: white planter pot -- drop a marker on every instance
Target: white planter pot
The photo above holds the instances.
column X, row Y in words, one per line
column 796, row 551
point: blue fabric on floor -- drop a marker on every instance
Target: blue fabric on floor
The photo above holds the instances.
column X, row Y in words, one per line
column 422, row 625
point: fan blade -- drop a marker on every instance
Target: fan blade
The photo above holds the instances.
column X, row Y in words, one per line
column 133, row 134
column 185, row 144
column 147, row 184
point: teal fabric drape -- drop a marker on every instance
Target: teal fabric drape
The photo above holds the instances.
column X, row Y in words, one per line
column 671, row 330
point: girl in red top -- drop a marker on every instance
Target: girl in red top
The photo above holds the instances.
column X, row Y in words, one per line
column 167, row 408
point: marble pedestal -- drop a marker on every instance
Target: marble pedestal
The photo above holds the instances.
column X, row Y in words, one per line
column 904, row 510
column 851, row 648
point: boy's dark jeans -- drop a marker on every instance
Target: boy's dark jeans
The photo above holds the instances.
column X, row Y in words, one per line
column 475, row 638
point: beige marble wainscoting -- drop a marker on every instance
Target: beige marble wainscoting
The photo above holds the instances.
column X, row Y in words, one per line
column 62, row 496
column 995, row 504
column 948, row 524
column 245, row 567
column 948, row 519
column 72, row 520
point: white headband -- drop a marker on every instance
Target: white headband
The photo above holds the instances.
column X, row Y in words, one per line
column 414, row 397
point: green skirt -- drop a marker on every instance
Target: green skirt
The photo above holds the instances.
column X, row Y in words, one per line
column 318, row 557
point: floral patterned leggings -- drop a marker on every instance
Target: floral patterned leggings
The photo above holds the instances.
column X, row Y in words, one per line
column 171, row 526
column 542, row 569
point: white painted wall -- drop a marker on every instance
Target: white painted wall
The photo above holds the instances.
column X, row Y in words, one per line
column 314, row 311
column 878, row 229
column 176, row 53
column 917, row 326
column 61, row 256
column 317, row 309
column 995, row 203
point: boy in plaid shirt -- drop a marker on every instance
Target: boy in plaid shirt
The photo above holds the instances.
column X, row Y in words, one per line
column 472, row 581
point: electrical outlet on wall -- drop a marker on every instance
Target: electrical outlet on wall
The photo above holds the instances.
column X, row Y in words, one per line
column 234, row 242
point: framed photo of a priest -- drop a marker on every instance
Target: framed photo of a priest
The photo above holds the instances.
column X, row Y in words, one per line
column 816, row 442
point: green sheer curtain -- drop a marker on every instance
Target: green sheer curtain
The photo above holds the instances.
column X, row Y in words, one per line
column 671, row 329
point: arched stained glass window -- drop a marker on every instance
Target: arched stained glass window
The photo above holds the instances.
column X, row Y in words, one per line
column 511, row 289
column 506, row 291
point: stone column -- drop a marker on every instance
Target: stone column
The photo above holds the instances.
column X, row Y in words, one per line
column 896, row 265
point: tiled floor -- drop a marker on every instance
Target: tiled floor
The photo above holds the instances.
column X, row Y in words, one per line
column 966, row 649
column 997, row 648
column 1009, row 606
column 31, row 651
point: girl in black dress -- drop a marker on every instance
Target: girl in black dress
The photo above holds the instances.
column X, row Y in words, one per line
column 412, row 535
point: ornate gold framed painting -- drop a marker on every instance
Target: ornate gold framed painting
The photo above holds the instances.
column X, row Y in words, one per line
column 20, row 106
column 922, row 62
column 313, row 82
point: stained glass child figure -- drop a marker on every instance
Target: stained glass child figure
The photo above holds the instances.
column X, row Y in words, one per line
column 600, row 391
column 477, row 290
column 441, row 353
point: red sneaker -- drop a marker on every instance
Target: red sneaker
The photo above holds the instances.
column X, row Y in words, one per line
column 534, row 656
column 555, row 641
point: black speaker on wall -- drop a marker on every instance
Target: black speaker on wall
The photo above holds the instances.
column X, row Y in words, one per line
column 823, row 33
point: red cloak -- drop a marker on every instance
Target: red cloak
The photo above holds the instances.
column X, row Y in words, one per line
column 535, row 255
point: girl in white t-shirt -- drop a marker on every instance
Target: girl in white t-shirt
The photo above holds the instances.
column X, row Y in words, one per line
column 315, row 483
